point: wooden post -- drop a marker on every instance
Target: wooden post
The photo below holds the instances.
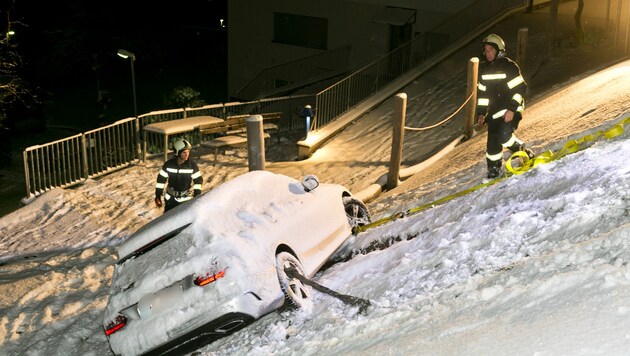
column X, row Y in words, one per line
column 255, row 143
column 521, row 50
column 398, row 137
column 165, row 147
column 471, row 91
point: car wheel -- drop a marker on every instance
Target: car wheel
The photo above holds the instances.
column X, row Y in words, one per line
column 296, row 294
column 356, row 212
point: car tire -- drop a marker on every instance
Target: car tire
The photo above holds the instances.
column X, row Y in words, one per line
column 296, row 294
column 356, row 212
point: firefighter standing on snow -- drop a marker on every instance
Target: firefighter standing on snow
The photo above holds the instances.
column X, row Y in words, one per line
column 181, row 173
column 500, row 103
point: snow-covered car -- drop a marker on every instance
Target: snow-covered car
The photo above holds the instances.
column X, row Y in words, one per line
column 217, row 263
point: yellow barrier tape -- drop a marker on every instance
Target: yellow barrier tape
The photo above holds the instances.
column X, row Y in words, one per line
column 569, row 147
column 524, row 167
column 614, row 132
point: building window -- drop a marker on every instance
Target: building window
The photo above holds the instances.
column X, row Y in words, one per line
column 303, row 31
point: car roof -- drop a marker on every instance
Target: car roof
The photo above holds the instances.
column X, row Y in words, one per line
column 220, row 199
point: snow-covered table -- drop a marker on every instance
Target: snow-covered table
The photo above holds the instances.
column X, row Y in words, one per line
column 174, row 127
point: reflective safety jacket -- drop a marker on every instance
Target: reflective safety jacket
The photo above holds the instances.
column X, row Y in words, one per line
column 500, row 87
column 180, row 180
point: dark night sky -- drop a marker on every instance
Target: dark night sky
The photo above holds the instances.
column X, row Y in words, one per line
column 69, row 52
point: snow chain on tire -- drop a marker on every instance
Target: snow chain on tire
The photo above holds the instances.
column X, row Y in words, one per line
column 363, row 304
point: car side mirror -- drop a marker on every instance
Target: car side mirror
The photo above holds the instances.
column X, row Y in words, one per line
column 310, row 182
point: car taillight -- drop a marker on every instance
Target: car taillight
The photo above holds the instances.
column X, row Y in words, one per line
column 208, row 278
column 116, row 325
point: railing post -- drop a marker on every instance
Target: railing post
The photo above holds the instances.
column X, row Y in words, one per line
column 319, row 110
column 84, row 155
column 144, row 146
column 471, row 91
column 521, row 49
column 255, row 143
column 27, row 178
column 139, row 153
column 398, row 137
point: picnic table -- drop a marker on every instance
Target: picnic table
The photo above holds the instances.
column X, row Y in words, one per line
column 173, row 127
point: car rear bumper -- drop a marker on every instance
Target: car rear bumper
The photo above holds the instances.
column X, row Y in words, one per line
column 204, row 335
column 205, row 326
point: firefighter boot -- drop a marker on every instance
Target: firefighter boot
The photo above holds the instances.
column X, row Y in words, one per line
column 494, row 170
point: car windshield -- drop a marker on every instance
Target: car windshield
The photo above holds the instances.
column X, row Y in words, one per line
column 153, row 244
column 152, row 259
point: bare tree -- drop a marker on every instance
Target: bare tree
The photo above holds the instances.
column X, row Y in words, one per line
column 12, row 88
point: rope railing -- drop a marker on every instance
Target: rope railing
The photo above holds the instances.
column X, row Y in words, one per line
column 398, row 132
column 443, row 121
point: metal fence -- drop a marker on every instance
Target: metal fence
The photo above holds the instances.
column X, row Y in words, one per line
column 74, row 159
column 288, row 76
column 77, row 158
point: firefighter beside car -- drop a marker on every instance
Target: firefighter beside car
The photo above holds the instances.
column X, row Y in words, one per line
column 177, row 178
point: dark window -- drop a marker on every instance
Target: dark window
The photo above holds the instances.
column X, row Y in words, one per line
column 303, row 31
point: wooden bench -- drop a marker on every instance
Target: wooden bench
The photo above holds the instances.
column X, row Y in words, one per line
column 174, row 127
column 232, row 131
column 268, row 120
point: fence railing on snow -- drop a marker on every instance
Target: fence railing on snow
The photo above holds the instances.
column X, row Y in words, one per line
column 74, row 159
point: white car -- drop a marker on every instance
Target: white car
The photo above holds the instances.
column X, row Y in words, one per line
column 216, row 263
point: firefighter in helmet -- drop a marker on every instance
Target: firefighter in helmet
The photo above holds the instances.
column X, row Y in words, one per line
column 178, row 177
column 500, row 102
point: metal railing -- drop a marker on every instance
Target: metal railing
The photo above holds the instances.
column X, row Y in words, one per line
column 288, row 76
column 74, row 159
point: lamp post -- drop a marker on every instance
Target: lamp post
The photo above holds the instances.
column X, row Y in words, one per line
column 123, row 53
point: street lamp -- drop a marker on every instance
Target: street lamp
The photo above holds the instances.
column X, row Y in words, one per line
column 123, row 53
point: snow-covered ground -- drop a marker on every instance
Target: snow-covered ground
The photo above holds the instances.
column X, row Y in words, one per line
column 536, row 264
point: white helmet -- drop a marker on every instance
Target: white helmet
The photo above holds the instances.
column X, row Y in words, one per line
column 181, row 145
column 494, row 41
